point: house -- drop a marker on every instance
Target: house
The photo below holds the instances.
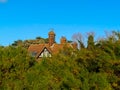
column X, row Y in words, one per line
column 47, row 50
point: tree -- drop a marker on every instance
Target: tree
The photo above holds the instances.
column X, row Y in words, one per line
column 90, row 41
column 77, row 37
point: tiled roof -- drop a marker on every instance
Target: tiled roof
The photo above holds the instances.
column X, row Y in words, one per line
column 38, row 48
column 54, row 49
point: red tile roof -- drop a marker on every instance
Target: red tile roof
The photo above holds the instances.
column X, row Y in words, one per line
column 54, row 49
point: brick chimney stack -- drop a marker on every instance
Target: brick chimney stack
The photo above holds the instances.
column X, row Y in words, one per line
column 51, row 35
column 63, row 40
column 75, row 45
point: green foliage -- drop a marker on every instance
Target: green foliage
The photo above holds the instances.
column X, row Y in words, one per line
column 14, row 63
column 90, row 42
column 94, row 68
column 27, row 43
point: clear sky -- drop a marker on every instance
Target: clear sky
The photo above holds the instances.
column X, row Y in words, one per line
column 27, row 19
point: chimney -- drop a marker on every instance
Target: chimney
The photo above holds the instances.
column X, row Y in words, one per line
column 51, row 35
column 63, row 40
column 75, row 45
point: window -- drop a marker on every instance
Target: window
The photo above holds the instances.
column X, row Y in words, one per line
column 33, row 54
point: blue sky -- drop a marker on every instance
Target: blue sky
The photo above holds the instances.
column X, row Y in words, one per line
column 27, row 19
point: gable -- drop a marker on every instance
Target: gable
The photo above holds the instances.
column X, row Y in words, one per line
column 44, row 53
column 36, row 49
